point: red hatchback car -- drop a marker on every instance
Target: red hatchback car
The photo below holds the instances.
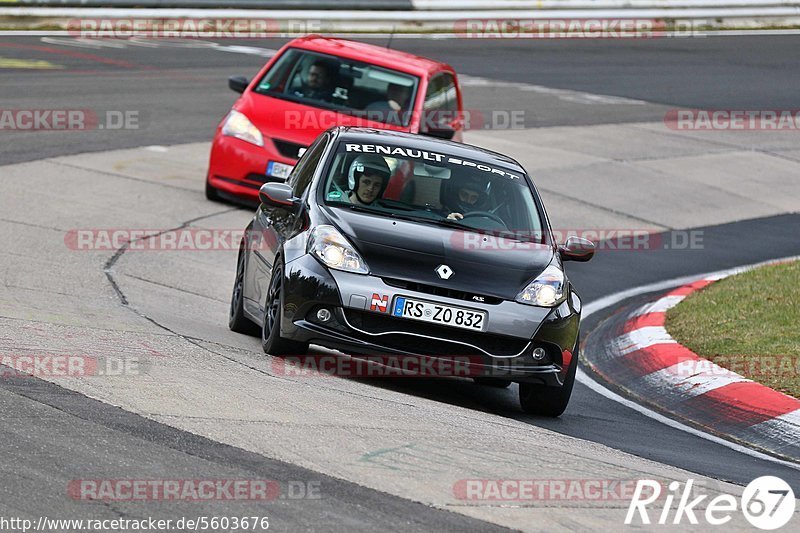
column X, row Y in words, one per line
column 314, row 83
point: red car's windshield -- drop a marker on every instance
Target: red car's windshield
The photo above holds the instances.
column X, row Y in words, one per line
column 344, row 85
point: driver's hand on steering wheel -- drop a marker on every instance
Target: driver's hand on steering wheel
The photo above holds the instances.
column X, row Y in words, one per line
column 455, row 216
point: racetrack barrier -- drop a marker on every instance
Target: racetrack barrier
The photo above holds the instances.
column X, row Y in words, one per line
column 408, row 16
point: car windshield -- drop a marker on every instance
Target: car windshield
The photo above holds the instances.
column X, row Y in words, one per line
column 343, row 85
column 433, row 188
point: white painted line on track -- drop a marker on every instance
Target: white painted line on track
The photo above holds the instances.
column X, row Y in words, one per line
column 251, row 50
column 613, row 299
column 159, row 43
column 84, row 43
column 584, row 379
column 569, row 95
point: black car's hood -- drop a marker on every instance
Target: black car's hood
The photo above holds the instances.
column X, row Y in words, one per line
column 411, row 251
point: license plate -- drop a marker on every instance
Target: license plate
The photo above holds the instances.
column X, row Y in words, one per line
column 279, row 170
column 439, row 314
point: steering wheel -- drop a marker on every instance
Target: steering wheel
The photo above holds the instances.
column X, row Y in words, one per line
column 485, row 214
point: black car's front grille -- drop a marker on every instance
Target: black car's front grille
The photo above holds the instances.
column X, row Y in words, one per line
column 441, row 291
column 438, row 340
column 288, row 149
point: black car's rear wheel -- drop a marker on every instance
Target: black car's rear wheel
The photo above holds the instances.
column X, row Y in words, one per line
column 549, row 401
column 237, row 321
column 271, row 339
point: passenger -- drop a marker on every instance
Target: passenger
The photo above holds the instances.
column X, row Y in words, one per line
column 392, row 109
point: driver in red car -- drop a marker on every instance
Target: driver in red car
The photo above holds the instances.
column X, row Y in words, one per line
column 468, row 196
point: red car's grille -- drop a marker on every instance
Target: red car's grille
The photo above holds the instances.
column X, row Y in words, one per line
column 288, row 149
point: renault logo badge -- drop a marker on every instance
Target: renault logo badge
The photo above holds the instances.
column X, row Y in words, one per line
column 444, row 271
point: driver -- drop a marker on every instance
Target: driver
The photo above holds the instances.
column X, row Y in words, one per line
column 467, row 196
column 318, row 83
column 367, row 178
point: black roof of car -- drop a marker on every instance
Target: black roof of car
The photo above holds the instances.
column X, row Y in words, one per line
column 430, row 144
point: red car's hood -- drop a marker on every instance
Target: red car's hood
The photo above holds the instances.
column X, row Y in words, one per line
column 295, row 122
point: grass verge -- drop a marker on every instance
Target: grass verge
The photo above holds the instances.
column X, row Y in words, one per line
column 748, row 323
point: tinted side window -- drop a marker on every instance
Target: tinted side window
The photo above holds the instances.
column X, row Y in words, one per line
column 449, row 89
column 304, row 171
column 441, row 101
column 434, row 98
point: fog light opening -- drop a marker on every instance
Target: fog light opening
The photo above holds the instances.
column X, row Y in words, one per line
column 539, row 354
column 323, row 315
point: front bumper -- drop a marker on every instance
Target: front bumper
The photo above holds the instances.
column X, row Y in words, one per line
column 504, row 350
column 238, row 168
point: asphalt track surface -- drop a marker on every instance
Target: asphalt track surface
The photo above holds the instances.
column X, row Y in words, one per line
column 183, row 92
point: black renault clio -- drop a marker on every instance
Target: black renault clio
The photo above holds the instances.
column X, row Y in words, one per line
column 392, row 243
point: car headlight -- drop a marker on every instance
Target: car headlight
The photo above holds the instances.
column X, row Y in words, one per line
column 239, row 126
column 547, row 290
column 333, row 250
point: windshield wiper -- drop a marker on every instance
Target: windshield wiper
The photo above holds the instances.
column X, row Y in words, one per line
column 393, row 204
column 322, row 104
column 361, row 209
column 356, row 207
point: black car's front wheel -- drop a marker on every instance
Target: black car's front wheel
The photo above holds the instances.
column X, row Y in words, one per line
column 549, row 401
column 237, row 321
column 271, row 339
column 493, row 382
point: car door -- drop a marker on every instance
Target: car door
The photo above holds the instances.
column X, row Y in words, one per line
column 272, row 226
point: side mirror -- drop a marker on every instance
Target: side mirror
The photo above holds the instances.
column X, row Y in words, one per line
column 442, row 132
column 238, row 83
column 277, row 195
column 577, row 249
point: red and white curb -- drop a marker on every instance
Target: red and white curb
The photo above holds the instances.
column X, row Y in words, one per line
column 634, row 351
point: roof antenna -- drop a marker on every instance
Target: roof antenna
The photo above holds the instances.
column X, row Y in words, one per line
column 391, row 36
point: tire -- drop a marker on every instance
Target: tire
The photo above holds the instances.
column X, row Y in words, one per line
column 542, row 400
column 212, row 193
column 493, row 382
column 237, row 321
column 271, row 339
